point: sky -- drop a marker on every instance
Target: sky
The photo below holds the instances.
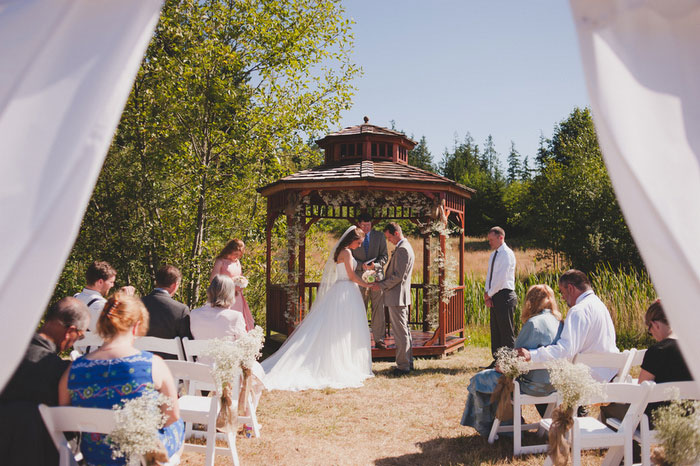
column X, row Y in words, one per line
column 441, row 68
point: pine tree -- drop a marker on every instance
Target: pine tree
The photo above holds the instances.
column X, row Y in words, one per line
column 420, row 156
column 514, row 167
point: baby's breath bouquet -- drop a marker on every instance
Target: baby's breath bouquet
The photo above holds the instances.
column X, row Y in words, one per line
column 575, row 385
column 137, row 424
column 240, row 281
column 678, row 428
column 232, row 358
column 511, row 366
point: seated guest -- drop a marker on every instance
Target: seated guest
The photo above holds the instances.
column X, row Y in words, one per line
column 588, row 327
column 216, row 319
column 117, row 372
column 663, row 361
column 168, row 318
column 541, row 326
column 23, row 437
column 99, row 279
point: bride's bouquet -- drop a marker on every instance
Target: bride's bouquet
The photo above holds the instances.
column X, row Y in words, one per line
column 370, row 276
column 240, row 281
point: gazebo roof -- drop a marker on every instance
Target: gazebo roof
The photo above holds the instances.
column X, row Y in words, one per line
column 365, row 129
column 368, row 174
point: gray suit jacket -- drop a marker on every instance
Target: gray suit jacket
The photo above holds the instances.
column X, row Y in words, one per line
column 397, row 284
column 377, row 250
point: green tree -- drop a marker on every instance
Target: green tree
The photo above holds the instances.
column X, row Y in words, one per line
column 571, row 206
column 225, row 100
column 514, row 165
column 420, row 156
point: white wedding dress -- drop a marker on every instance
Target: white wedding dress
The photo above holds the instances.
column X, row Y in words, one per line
column 330, row 348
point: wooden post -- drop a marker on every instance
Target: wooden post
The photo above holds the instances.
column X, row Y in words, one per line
column 426, row 281
column 268, row 272
column 441, row 283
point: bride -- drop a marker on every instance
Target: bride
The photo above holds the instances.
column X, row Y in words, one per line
column 331, row 346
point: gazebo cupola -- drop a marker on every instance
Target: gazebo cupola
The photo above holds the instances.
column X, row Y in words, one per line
column 366, row 142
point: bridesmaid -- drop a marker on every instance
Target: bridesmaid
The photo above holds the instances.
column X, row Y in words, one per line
column 228, row 263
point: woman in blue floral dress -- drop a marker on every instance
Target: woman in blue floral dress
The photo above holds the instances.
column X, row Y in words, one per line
column 541, row 327
column 118, row 372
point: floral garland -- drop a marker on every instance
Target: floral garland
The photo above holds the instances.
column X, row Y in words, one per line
column 512, row 366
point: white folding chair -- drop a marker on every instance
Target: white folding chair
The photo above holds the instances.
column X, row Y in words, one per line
column 161, row 345
column 194, row 348
column 62, row 419
column 589, row 433
column 659, row 392
column 618, row 361
column 635, row 361
column 90, row 342
column 201, row 409
column 519, row 400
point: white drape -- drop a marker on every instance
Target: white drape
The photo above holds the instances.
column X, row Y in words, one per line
column 642, row 69
column 66, row 69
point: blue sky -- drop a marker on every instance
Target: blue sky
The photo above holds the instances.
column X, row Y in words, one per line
column 442, row 68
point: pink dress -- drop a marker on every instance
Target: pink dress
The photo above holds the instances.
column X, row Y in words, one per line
column 233, row 270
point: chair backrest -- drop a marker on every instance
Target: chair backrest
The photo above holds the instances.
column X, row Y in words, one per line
column 161, row 345
column 194, row 348
column 60, row 419
column 674, row 390
column 617, row 361
column 631, row 393
column 90, row 341
column 198, row 375
column 638, row 357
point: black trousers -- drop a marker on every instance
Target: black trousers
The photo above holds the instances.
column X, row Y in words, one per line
column 502, row 331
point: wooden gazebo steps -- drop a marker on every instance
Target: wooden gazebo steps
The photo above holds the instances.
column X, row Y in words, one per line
column 453, row 343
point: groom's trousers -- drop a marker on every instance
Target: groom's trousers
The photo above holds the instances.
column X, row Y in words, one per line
column 402, row 336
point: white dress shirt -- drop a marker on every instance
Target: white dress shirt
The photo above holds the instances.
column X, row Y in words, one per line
column 588, row 328
column 209, row 322
column 503, row 277
column 95, row 303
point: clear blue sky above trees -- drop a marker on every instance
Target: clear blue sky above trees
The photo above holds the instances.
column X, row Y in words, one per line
column 444, row 68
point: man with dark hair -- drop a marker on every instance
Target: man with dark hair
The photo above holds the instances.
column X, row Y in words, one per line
column 397, row 295
column 23, row 437
column 372, row 255
column 499, row 292
column 588, row 327
column 168, row 318
column 99, row 279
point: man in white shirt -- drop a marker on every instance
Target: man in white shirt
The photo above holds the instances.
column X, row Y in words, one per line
column 99, row 279
column 499, row 293
column 588, row 327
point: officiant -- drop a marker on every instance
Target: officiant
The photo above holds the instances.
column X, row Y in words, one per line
column 372, row 255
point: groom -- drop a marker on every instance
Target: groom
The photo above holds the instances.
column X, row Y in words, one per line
column 397, row 295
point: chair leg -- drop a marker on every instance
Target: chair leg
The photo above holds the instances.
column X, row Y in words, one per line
column 231, row 438
column 493, row 435
column 517, row 432
column 211, row 444
column 253, row 417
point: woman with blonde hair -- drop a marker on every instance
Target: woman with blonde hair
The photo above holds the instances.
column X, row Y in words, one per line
column 228, row 263
column 542, row 326
column 118, row 372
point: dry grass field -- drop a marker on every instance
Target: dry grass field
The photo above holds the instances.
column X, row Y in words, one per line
column 409, row 420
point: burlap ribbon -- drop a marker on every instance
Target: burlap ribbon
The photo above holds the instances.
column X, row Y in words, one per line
column 227, row 420
column 503, row 396
column 559, row 448
column 157, row 456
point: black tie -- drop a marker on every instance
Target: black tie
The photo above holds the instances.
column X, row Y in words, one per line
column 493, row 259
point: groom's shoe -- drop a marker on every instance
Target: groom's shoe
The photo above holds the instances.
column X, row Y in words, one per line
column 396, row 372
column 379, row 345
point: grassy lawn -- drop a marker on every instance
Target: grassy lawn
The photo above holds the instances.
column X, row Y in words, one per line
column 410, row 420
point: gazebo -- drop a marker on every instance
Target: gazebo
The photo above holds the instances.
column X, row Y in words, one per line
column 366, row 169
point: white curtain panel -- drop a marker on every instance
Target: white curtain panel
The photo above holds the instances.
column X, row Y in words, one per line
column 66, row 69
column 641, row 59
